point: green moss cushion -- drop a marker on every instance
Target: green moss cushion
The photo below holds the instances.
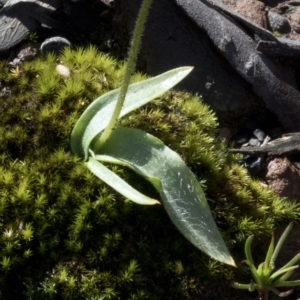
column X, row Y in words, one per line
column 66, row 235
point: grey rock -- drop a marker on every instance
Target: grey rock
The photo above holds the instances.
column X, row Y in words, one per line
column 5, row 92
column 278, row 23
column 198, row 31
column 270, row 79
column 18, row 18
column 295, row 3
column 171, row 40
column 54, row 45
column 254, row 142
column 259, row 134
column 266, row 140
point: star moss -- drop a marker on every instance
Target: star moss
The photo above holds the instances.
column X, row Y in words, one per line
column 66, row 235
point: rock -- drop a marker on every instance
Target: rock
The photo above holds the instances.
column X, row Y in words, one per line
column 254, row 142
column 259, row 134
column 5, row 92
column 63, row 70
column 25, row 52
column 19, row 18
column 295, row 3
column 294, row 18
column 253, row 163
column 171, row 40
column 54, row 44
column 284, row 178
column 2, row 3
column 253, row 10
column 266, row 140
column 278, row 23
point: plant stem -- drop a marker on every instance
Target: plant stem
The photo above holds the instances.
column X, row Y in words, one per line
column 263, row 295
column 129, row 69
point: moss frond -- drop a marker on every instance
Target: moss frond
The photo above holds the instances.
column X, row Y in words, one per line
column 46, row 85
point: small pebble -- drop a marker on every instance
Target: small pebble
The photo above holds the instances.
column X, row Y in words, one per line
column 254, row 142
column 54, row 45
column 266, row 140
column 63, row 70
column 259, row 134
column 5, row 92
column 278, row 22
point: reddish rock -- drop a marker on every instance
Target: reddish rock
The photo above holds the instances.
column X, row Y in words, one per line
column 284, row 178
column 253, row 10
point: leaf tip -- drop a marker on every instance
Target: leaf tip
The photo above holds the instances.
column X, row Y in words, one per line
column 230, row 261
column 154, row 202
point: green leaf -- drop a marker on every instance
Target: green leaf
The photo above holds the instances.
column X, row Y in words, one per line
column 291, row 263
column 270, row 250
column 281, row 241
column 96, row 117
column 181, row 194
column 118, row 183
column 248, row 250
column 250, row 261
column 288, row 272
column 290, row 283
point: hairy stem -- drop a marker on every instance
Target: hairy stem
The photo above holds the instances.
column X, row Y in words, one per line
column 129, row 69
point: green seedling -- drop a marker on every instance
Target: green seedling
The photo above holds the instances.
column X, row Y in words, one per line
column 96, row 138
column 265, row 279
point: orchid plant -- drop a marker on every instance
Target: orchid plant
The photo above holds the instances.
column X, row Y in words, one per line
column 97, row 138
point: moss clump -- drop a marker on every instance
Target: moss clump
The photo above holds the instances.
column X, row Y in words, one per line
column 66, row 235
